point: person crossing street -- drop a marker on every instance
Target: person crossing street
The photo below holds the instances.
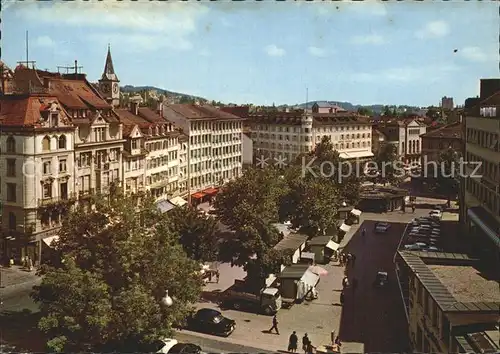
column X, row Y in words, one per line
column 275, row 325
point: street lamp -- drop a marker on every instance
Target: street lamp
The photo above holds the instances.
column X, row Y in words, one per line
column 167, row 300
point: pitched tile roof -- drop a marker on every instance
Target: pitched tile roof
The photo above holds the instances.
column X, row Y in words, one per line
column 145, row 119
column 195, row 112
column 449, row 131
column 24, row 111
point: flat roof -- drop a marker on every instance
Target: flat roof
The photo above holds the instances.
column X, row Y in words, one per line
column 466, row 284
column 291, row 242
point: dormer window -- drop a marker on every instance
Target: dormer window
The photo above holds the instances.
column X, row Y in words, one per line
column 135, row 144
column 157, row 131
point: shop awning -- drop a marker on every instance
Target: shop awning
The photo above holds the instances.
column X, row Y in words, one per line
column 479, row 216
column 48, row 240
column 178, row 201
column 356, row 155
column 165, row 205
column 198, row 195
column 211, row 191
column 356, row 212
column 332, row 245
column 345, row 227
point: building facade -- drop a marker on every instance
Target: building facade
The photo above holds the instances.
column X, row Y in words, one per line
column 214, row 146
column 480, row 189
column 438, row 140
column 406, row 135
column 285, row 135
column 447, row 103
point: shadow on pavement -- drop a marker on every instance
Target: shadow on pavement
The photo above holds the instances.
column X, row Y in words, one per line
column 19, row 329
column 370, row 315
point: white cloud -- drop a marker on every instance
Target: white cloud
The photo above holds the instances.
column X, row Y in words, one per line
column 406, row 74
column 475, row 54
column 375, row 39
column 44, row 41
column 316, row 51
column 274, row 51
column 172, row 22
column 434, row 29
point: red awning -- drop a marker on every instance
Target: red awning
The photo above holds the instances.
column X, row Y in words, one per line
column 198, row 195
column 210, row 191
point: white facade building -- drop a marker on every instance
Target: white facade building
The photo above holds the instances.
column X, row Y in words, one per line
column 214, row 145
column 287, row 134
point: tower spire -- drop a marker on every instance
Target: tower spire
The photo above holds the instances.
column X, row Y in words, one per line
column 109, row 70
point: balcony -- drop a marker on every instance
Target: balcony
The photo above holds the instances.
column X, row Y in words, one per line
column 86, row 193
column 45, row 202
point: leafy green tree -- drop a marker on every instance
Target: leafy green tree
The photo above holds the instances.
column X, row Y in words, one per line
column 386, row 111
column 388, row 165
column 447, row 178
column 365, row 111
column 197, row 233
column 311, row 204
column 433, row 112
column 252, row 199
column 258, row 269
column 118, row 260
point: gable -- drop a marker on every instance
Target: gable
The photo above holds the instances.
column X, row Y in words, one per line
column 413, row 124
column 135, row 133
column 99, row 120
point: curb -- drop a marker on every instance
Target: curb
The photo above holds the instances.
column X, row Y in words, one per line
column 229, row 340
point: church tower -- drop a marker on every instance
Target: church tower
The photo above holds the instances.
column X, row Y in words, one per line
column 108, row 84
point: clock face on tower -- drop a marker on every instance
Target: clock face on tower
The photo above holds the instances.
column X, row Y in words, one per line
column 115, row 88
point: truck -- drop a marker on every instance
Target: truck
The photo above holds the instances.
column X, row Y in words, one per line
column 242, row 294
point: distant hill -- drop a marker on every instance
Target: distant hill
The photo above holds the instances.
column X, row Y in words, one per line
column 178, row 95
column 375, row 108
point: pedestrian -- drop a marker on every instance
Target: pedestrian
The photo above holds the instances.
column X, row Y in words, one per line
column 345, row 282
column 332, row 337
column 363, row 232
column 275, row 325
column 217, row 276
column 413, row 208
column 337, row 341
column 310, row 348
column 353, row 259
column 305, row 342
column 292, row 342
column 354, row 284
column 342, row 298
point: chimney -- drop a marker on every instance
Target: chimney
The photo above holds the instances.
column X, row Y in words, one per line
column 46, row 83
column 134, row 107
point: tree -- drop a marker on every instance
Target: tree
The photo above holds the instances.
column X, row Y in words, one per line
column 252, row 199
column 387, row 165
column 259, row 269
column 311, row 204
column 447, row 179
column 386, row 111
column 365, row 111
column 117, row 262
column 197, row 233
column 433, row 113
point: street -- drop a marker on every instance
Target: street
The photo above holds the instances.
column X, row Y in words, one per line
column 374, row 316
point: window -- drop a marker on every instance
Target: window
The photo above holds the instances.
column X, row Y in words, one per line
column 11, row 144
column 54, row 119
column 47, row 190
column 62, row 142
column 47, row 167
column 134, row 144
column 63, row 190
column 46, row 144
column 12, row 221
column 11, row 192
column 62, row 165
column 11, row 168
column 99, row 134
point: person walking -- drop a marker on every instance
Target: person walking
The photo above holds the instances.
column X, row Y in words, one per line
column 345, row 282
column 310, row 348
column 413, row 208
column 353, row 259
column 305, row 342
column 292, row 342
column 342, row 298
column 363, row 232
column 275, row 325
column 217, row 276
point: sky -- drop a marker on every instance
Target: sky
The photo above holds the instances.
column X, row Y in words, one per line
column 267, row 52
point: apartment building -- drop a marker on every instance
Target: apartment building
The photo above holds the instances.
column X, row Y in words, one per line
column 480, row 193
column 37, row 171
column 285, row 135
column 405, row 134
column 436, row 141
column 447, row 103
column 451, row 302
column 214, row 146
column 152, row 151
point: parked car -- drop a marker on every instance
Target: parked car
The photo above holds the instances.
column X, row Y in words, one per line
column 432, row 249
column 381, row 279
column 211, row 321
column 436, row 214
column 412, row 247
column 382, row 227
column 164, row 346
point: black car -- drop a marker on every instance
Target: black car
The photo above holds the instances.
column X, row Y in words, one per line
column 185, row 348
column 211, row 321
